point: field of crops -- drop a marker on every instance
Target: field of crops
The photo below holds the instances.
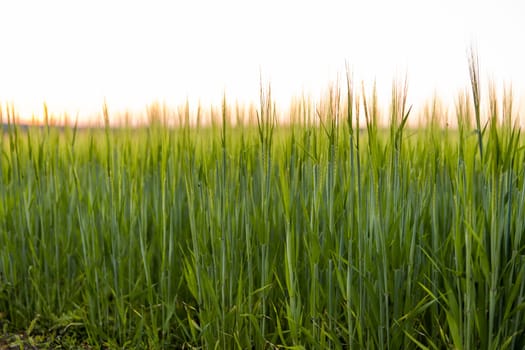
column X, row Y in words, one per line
column 318, row 234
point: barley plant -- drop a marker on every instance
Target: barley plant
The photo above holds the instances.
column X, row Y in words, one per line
column 331, row 232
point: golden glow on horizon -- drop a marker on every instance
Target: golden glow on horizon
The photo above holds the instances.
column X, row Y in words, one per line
column 74, row 54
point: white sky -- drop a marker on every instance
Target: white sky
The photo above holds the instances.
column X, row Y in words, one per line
column 73, row 54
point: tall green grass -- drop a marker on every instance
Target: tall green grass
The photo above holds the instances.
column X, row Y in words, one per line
column 327, row 233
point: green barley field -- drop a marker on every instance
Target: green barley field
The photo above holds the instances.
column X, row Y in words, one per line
column 331, row 232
